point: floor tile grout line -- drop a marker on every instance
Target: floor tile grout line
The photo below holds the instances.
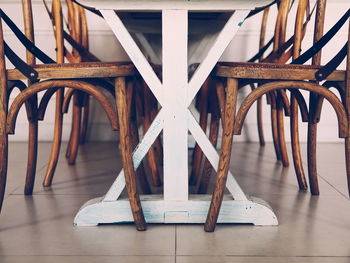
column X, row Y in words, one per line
column 340, row 192
column 261, row 256
column 331, row 185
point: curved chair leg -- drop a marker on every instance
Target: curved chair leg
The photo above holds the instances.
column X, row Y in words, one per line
column 281, row 137
column 213, row 138
column 69, row 144
column 126, row 153
column 312, row 142
column 311, row 156
column 274, row 126
column 347, row 161
column 85, row 120
column 203, row 119
column 259, row 117
column 294, row 131
column 3, row 154
column 225, row 155
column 3, row 164
column 134, row 134
column 56, row 143
column 32, row 148
column 75, row 134
column 151, row 155
column 32, row 157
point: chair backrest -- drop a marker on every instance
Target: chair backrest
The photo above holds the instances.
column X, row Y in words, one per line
column 78, row 28
column 77, row 36
column 28, row 28
column 58, row 18
column 281, row 24
column 3, row 79
column 299, row 30
column 319, row 28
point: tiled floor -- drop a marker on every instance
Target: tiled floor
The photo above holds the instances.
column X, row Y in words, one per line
column 39, row 228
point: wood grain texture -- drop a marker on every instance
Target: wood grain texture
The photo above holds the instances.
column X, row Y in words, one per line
column 58, row 126
column 44, row 85
column 75, row 133
column 314, row 98
column 126, row 153
column 225, row 155
column 197, row 156
column 347, row 105
column 135, row 138
column 294, row 115
column 3, row 114
column 213, row 138
column 308, row 86
column 78, row 70
column 281, row 135
column 274, row 125
column 33, row 121
column 270, row 71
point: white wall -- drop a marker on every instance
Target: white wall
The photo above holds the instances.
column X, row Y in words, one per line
column 106, row 47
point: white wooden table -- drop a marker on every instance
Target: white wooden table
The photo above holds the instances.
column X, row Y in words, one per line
column 175, row 94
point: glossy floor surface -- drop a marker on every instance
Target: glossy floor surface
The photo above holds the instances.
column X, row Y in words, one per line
column 39, row 228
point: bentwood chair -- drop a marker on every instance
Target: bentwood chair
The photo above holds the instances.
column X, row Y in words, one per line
column 207, row 104
column 280, row 53
column 77, row 37
column 58, row 78
column 281, row 77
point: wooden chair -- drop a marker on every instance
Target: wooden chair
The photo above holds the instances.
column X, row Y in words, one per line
column 207, row 105
column 78, row 39
column 57, row 77
column 279, row 103
column 289, row 77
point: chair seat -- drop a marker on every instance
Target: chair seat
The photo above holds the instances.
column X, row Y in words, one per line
column 267, row 71
column 78, row 70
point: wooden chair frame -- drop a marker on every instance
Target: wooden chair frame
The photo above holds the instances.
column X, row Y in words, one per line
column 64, row 77
column 233, row 122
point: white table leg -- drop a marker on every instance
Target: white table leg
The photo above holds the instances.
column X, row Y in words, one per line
column 175, row 96
column 222, row 41
column 175, row 79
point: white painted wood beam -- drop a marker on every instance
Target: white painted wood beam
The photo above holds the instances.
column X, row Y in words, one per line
column 175, row 81
column 139, row 153
column 215, row 52
column 134, row 53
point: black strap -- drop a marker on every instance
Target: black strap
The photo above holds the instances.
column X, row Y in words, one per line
column 289, row 42
column 23, row 67
column 81, row 49
column 323, row 41
column 284, row 46
column 260, row 9
column 262, row 50
column 92, row 10
column 25, row 41
column 332, row 65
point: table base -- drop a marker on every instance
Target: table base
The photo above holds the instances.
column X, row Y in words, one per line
column 254, row 211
